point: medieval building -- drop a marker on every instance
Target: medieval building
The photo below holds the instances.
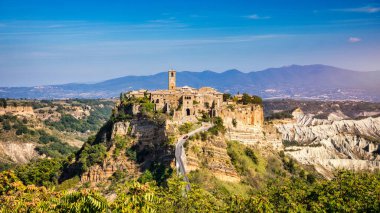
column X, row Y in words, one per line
column 183, row 102
column 187, row 103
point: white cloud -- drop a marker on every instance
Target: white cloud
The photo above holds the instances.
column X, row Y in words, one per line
column 367, row 9
column 354, row 39
column 257, row 17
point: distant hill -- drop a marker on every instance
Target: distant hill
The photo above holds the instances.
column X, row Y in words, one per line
column 309, row 81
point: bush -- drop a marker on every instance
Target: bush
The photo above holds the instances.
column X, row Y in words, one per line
column 7, row 126
column 3, row 103
column 249, row 152
column 56, row 149
column 185, row 128
column 234, row 122
column 118, row 175
column 21, row 130
column 131, row 154
column 44, row 139
column 43, row 172
column 146, row 177
column 247, row 99
column 280, row 115
column 227, row 96
column 91, row 155
column 288, row 143
column 218, row 126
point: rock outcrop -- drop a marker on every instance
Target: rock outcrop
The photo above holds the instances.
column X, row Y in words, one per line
column 147, row 137
column 240, row 116
column 329, row 144
column 17, row 152
column 211, row 154
column 17, row 110
column 103, row 172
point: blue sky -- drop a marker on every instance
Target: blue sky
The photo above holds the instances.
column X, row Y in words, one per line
column 50, row 41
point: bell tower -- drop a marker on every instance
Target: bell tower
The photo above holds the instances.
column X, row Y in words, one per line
column 172, row 79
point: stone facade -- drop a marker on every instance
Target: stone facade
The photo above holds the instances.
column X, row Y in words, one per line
column 184, row 103
column 243, row 115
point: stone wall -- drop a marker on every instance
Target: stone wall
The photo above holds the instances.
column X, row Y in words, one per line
column 244, row 115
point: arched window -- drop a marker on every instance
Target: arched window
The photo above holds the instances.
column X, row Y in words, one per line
column 157, row 101
column 188, row 112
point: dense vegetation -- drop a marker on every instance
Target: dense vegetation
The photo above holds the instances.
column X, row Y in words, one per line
column 280, row 115
column 274, row 183
column 93, row 122
column 248, row 99
column 347, row 192
column 19, row 128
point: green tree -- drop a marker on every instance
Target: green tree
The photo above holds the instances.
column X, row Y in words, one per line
column 3, row 102
column 226, row 96
column 82, row 201
column 135, row 197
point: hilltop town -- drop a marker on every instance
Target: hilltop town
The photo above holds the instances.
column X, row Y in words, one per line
column 217, row 143
column 186, row 104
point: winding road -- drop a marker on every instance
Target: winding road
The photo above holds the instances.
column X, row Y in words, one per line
column 180, row 152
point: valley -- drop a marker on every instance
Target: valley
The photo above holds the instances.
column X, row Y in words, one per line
column 33, row 129
column 224, row 150
column 104, row 146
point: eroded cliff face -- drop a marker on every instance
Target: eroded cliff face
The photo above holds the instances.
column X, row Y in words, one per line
column 148, row 139
column 329, row 144
column 17, row 110
column 211, row 154
column 245, row 123
column 17, row 152
column 110, row 165
column 240, row 116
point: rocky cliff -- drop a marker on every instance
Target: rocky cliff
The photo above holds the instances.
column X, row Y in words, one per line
column 241, row 116
column 146, row 138
column 17, row 110
column 17, row 152
column 333, row 143
column 212, row 155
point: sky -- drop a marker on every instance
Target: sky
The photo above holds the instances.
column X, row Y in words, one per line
column 44, row 42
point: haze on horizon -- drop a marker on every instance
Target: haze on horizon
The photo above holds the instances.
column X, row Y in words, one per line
column 54, row 42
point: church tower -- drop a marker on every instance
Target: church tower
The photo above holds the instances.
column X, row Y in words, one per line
column 172, row 79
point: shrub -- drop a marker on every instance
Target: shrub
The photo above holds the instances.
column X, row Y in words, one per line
column 227, row 96
column 234, row 122
column 185, row 128
column 247, row 99
column 44, row 172
column 118, row 175
column 131, row 154
column 21, row 130
column 146, row 177
column 56, row 149
column 91, row 155
column 249, row 152
column 7, row 126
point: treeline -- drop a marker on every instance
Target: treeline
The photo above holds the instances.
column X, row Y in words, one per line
column 347, row 192
column 243, row 99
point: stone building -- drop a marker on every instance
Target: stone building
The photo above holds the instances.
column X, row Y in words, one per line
column 187, row 104
column 184, row 103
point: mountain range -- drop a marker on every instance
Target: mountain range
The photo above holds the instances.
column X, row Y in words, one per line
column 295, row 81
